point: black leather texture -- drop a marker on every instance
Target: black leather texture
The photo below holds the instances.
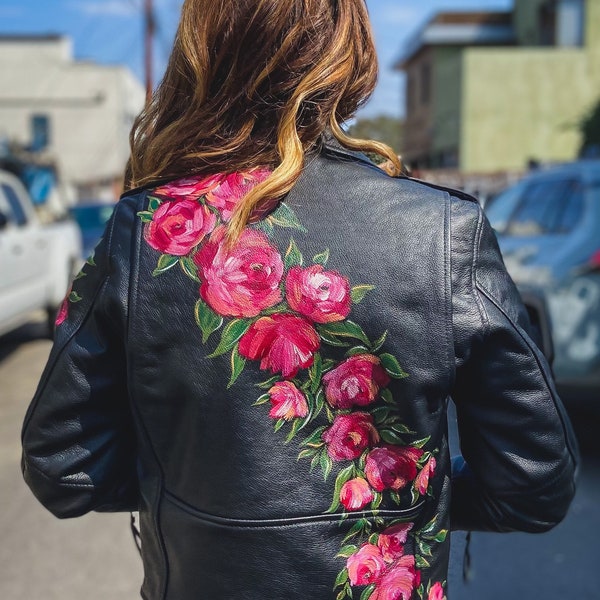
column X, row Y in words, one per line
column 132, row 412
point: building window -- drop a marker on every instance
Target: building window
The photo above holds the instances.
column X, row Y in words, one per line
column 425, row 83
column 562, row 23
column 40, row 132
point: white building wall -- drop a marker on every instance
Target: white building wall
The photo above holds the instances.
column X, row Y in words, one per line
column 90, row 107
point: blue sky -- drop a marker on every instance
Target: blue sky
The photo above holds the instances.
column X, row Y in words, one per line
column 110, row 31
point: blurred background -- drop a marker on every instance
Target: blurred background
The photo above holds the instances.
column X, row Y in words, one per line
column 500, row 98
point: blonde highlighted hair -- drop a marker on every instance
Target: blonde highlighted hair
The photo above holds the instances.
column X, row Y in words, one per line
column 256, row 83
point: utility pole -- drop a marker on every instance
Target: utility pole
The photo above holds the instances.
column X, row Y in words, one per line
column 150, row 30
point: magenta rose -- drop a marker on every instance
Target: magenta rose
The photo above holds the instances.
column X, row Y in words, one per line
column 192, row 187
column 287, row 401
column 422, row 480
column 349, row 435
column 392, row 467
column 241, row 281
column 355, row 382
column 365, row 566
column 399, row 581
column 322, row 296
column 356, row 494
column 227, row 195
column 391, row 541
column 177, row 227
column 63, row 312
column 282, row 342
column 436, row 592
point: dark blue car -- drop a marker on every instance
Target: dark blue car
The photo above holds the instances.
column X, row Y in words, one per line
column 91, row 218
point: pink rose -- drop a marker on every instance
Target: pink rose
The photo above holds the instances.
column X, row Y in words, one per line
column 392, row 467
column 177, row 227
column 282, row 342
column 63, row 312
column 192, row 187
column 241, row 281
column 288, row 402
column 322, row 296
column 365, row 566
column 391, row 541
column 355, row 382
column 422, row 480
column 356, row 494
column 399, row 582
column 436, row 592
column 227, row 195
column 349, row 435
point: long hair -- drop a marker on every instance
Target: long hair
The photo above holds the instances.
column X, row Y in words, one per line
column 256, row 83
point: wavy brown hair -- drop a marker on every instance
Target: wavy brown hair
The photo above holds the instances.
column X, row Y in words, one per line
column 256, row 83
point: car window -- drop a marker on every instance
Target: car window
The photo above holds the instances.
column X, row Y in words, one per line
column 500, row 209
column 18, row 214
column 547, row 207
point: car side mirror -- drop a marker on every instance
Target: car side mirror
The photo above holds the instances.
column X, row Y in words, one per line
column 3, row 221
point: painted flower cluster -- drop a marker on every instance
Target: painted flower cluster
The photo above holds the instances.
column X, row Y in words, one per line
column 326, row 380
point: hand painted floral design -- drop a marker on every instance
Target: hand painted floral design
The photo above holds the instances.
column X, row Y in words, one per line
column 327, row 376
column 72, row 296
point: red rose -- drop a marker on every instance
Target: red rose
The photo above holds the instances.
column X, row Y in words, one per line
column 322, row 296
column 365, row 566
column 356, row 494
column 399, row 582
column 192, row 187
column 349, row 435
column 355, row 382
column 282, row 342
column 391, row 541
column 288, row 402
column 63, row 312
column 436, row 592
column 227, row 195
column 422, row 479
column 241, row 281
column 177, row 227
column 392, row 467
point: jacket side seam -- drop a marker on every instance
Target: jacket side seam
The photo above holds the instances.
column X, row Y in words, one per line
column 448, row 249
column 476, row 250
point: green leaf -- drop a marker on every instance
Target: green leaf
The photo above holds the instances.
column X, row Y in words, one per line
column 80, row 275
column 332, row 340
column 293, row 256
column 414, row 496
column 326, row 464
column 269, row 383
column 231, row 334
column 262, row 400
column 424, row 548
column 387, row 396
column 319, row 403
column 343, row 476
column 342, row 595
column 391, row 437
column 421, row 563
column 279, row 424
column 376, row 501
column 265, row 226
column 367, row 592
column 296, row 427
column 357, row 528
column 328, row 364
column 421, row 443
column 347, row 551
column 392, row 366
column 307, row 453
column 344, row 329
column 315, row 461
column 441, row 536
column 314, row 439
column 381, row 414
column 430, row 527
column 145, row 216
column 379, row 343
column 165, row 262
column 284, row 216
column 92, row 259
column 75, row 297
column 153, row 203
column 207, row 319
column 341, row 578
column 359, row 292
column 189, row 268
column 237, row 366
column 395, row 496
column 357, row 350
column 315, row 372
column 402, row 429
column 322, row 258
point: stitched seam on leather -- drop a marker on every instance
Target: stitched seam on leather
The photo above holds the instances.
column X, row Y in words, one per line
column 476, row 252
column 287, row 521
column 450, row 338
column 545, row 377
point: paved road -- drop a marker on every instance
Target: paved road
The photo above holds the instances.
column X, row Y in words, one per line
column 93, row 558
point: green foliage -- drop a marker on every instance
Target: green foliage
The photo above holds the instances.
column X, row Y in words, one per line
column 382, row 128
column 590, row 130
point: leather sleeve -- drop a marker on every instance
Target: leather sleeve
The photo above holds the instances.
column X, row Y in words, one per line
column 78, row 442
column 520, row 454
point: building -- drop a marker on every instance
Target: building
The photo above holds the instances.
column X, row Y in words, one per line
column 492, row 91
column 78, row 112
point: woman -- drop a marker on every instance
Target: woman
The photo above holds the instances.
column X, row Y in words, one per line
column 260, row 355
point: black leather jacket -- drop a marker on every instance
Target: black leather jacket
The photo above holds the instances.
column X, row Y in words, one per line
column 138, row 407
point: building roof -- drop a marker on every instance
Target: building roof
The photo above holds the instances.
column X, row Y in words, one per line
column 460, row 29
column 28, row 38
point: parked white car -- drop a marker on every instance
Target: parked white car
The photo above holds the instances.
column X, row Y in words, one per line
column 37, row 261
